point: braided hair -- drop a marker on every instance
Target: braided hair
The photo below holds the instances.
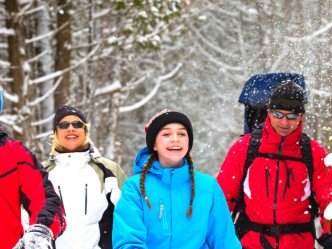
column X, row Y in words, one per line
column 142, row 178
column 192, row 185
column 192, row 179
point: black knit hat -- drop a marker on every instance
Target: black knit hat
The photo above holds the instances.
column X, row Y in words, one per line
column 288, row 96
column 66, row 110
column 163, row 118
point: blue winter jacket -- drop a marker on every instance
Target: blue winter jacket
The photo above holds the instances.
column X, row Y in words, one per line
column 166, row 225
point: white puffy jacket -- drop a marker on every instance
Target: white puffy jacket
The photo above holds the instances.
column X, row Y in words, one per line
column 88, row 187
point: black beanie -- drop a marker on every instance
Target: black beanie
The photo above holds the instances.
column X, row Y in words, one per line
column 288, row 96
column 66, row 110
column 163, row 118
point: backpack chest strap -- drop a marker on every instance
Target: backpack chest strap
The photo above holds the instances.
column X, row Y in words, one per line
column 277, row 230
column 280, row 157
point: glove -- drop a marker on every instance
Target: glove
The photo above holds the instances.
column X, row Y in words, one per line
column 328, row 160
column 328, row 212
column 325, row 241
column 37, row 236
column 111, row 186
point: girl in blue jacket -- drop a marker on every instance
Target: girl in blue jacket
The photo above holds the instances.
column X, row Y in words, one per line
column 168, row 204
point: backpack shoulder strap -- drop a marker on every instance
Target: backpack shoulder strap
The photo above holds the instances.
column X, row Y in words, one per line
column 308, row 160
column 306, row 154
column 252, row 152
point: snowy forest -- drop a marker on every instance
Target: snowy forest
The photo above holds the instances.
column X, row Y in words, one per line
column 121, row 61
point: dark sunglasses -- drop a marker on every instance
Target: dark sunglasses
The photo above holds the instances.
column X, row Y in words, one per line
column 65, row 125
column 289, row 116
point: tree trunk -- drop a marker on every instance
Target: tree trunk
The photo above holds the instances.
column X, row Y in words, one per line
column 17, row 58
column 63, row 51
column 45, row 65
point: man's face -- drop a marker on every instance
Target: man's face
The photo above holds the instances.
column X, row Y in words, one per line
column 284, row 122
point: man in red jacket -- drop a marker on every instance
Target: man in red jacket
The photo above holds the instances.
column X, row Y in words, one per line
column 23, row 181
column 277, row 188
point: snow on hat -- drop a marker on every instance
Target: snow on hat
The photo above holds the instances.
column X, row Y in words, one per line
column 160, row 119
column 66, row 110
column 1, row 101
column 288, row 96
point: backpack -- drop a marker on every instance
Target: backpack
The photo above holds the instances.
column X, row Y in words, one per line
column 253, row 152
column 256, row 93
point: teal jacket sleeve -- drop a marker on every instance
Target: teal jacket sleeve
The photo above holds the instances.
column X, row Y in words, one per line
column 129, row 230
column 221, row 234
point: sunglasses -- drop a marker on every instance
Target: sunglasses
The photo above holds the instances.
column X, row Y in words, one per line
column 65, row 125
column 289, row 116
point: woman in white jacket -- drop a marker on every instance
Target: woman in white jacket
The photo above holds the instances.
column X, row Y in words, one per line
column 88, row 184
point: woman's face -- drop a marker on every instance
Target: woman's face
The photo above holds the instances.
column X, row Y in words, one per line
column 71, row 139
column 171, row 145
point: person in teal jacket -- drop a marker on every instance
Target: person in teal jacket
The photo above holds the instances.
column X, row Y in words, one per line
column 166, row 203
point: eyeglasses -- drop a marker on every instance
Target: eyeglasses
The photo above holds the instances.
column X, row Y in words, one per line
column 65, row 125
column 289, row 116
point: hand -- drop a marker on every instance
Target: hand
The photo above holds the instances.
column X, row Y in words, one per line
column 37, row 236
column 325, row 241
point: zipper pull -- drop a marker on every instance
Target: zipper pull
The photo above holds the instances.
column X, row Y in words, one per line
column 161, row 211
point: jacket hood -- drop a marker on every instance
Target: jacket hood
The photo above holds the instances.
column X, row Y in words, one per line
column 140, row 160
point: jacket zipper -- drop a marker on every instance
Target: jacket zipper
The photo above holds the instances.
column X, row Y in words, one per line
column 171, row 206
column 61, row 199
column 161, row 210
column 86, row 199
column 162, row 215
column 280, row 147
column 267, row 175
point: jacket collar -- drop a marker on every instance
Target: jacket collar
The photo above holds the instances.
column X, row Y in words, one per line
column 170, row 176
column 74, row 159
column 272, row 137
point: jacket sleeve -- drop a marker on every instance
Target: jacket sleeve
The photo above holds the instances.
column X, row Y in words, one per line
column 322, row 182
column 221, row 233
column 231, row 171
column 116, row 170
column 37, row 193
column 120, row 175
column 129, row 229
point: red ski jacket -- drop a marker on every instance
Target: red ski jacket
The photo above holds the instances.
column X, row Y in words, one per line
column 23, row 181
column 276, row 191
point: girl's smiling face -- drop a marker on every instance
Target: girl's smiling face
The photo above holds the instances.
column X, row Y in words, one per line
column 171, row 145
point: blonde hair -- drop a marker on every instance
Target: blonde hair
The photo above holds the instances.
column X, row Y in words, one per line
column 56, row 146
column 192, row 181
